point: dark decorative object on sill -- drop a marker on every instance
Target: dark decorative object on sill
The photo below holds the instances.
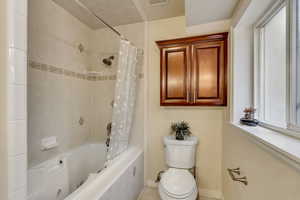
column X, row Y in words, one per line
column 248, row 119
column 181, row 130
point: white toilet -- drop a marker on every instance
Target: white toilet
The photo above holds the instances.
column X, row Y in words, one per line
column 178, row 182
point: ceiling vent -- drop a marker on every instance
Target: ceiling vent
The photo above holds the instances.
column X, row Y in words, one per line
column 158, row 2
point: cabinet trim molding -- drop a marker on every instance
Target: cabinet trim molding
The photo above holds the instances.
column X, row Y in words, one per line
column 188, row 40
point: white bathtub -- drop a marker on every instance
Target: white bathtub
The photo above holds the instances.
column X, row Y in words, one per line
column 122, row 179
column 55, row 179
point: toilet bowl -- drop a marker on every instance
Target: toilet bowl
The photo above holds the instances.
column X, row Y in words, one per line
column 177, row 184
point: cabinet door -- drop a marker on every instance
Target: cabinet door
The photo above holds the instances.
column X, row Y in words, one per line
column 175, row 75
column 208, row 73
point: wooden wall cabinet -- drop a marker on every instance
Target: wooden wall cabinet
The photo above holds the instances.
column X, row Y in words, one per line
column 194, row 71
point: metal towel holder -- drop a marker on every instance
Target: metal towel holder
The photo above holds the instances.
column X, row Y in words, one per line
column 237, row 171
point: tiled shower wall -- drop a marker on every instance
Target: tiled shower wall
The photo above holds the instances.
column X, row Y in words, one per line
column 17, row 84
column 60, row 91
column 56, row 102
column 105, row 41
column 17, row 134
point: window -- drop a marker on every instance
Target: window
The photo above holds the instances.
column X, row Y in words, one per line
column 295, row 45
column 277, row 67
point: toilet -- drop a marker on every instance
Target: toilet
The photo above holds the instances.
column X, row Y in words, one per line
column 177, row 182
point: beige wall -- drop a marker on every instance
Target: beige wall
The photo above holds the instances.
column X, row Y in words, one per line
column 3, row 84
column 206, row 122
column 269, row 177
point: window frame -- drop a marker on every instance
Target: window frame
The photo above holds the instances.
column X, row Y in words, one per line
column 292, row 122
column 290, row 128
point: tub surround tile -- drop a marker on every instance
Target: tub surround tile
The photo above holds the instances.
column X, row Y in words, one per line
column 17, row 138
column 17, row 173
column 19, row 6
column 56, row 103
column 73, row 74
column 16, row 98
column 44, row 67
column 81, row 76
column 53, row 47
column 35, row 65
column 17, row 67
column 55, row 70
column 16, row 102
column 92, row 78
column 17, row 24
column 68, row 73
column 112, row 77
column 102, row 78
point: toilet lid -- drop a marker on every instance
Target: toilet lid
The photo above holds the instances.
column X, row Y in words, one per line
column 178, row 182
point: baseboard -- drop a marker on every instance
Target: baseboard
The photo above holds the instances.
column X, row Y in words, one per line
column 214, row 194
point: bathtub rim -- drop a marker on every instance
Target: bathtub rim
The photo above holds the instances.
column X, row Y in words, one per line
column 95, row 188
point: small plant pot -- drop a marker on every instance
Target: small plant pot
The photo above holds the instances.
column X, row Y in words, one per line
column 179, row 136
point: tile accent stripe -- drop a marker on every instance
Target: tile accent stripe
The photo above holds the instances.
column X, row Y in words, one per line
column 68, row 73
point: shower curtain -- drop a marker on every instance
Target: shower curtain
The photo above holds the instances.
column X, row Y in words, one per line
column 124, row 102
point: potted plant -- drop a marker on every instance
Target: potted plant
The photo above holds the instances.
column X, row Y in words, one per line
column 181, row 130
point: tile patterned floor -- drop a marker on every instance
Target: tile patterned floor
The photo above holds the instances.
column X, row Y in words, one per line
column 152, row 194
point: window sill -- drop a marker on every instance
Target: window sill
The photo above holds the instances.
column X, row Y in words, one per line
column 283, row 146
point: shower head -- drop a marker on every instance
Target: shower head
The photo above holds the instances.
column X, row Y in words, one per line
column 108, row 61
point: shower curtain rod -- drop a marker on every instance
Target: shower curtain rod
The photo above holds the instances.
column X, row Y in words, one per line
column 101, row 20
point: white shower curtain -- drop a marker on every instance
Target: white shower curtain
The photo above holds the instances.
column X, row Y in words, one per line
column 124, row 102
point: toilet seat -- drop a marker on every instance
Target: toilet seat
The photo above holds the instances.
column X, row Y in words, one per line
column 178, row 184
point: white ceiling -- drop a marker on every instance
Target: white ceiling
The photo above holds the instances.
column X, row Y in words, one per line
column 205, row 11
column 120, row 12
column 172, row 8
column 114, row 12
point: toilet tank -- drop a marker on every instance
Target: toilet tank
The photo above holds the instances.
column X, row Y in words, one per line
column 180, row 153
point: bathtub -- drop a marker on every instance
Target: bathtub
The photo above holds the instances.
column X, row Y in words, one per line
column 82, row 174
column 55, row 179
column 122, row 179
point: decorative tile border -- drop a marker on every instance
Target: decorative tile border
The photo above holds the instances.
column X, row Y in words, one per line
column 68, row 73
